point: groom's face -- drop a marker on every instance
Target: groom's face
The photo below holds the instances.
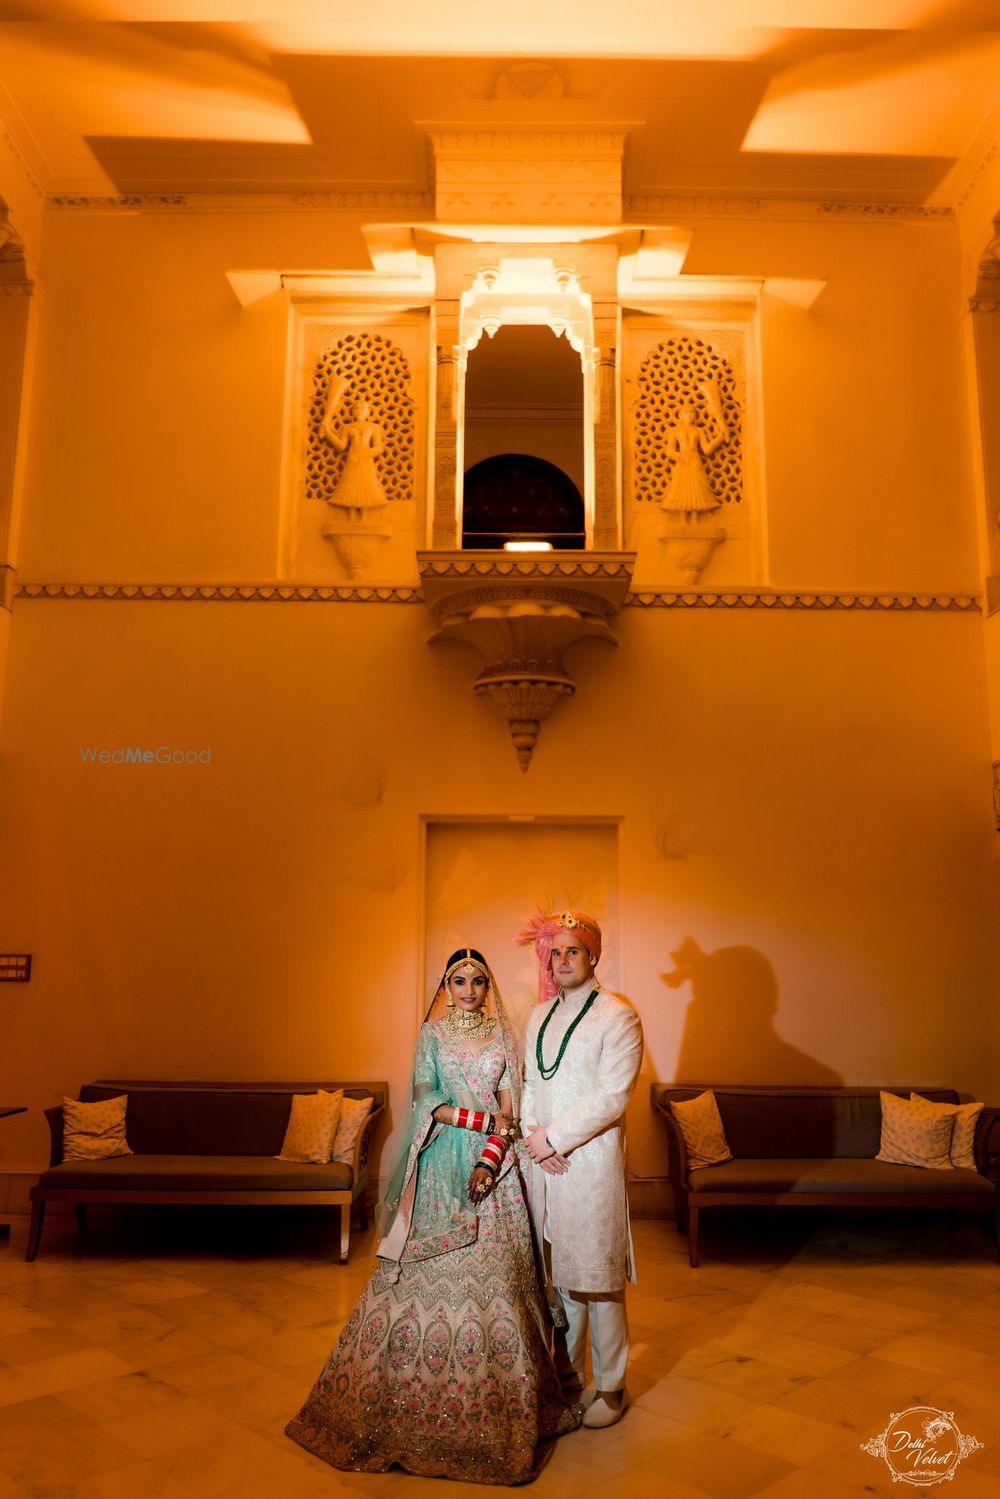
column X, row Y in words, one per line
column 571, row 962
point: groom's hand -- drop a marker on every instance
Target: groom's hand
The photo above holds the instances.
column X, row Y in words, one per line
column 543, row 1154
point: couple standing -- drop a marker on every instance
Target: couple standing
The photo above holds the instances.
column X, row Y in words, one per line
column 444, row 1366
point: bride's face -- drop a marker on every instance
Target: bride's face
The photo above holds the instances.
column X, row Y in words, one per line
column 467, row 987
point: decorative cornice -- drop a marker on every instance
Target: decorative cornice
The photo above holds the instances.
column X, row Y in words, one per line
column 222, row 593
column 989, row 156
column 888, row 210
column 424, row 202
column 649, row 204
column 644, row 203
column 321, row 593
column 116, row 201
column 348, row 202
column 875, row 603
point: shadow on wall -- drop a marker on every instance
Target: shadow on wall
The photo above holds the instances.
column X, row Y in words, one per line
column 729, row 1032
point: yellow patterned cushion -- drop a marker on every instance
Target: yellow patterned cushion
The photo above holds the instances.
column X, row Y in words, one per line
column 312, row 1127
column 966, row 1117
column 353, row 1114
column 700, row 1123
column 94, row 1131
column 913, row 1137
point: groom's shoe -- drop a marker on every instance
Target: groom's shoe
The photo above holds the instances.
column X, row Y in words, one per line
column 601, row 1413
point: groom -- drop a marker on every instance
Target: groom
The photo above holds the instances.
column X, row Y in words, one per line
column 582, row 1059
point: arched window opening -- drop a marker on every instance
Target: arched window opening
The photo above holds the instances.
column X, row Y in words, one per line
column 517, row 497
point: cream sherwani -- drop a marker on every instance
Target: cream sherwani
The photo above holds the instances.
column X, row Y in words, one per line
column 584, row 1214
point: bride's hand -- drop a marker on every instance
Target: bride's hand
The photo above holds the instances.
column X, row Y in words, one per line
column 480, row 1185
column 506, row 1122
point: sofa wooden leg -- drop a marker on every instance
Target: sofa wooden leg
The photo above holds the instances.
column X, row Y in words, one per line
column 35, row 1229
column 81, row 1216
column 345, row 1232
column 693, row 1236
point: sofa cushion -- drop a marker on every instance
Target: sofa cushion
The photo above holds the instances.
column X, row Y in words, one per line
column 199, row 1173
column 914, row 1136
column 312, row 1126
column 353, row 1113
column 841, row 1174
column 966, row 1117
column 701, row 1127
column 94, row 1131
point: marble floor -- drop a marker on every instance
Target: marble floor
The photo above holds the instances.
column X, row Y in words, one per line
column 162, row 1356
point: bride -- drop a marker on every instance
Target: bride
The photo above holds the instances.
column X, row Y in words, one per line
column 444, row 1365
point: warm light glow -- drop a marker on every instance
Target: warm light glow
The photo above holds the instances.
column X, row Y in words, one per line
column 901, row 97
column 527, row 546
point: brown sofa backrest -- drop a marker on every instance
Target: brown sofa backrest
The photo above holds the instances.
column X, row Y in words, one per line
column 195, row 1118
column 774, row 1122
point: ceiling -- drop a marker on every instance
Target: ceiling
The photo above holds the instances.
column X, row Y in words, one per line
column 874, row 100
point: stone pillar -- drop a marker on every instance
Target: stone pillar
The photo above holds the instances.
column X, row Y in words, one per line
column 607, row 468
column 446, row 522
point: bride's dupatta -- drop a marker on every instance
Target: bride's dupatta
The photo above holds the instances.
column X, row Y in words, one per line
column 435, row 1156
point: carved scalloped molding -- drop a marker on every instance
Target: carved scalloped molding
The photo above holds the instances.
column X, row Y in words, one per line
column 222, row 593
column 315, row 593
column 917, row 603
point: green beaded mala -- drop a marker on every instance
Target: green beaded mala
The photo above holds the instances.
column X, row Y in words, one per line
column 550, row 1072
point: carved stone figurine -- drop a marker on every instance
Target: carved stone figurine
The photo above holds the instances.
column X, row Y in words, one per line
column 689, row 489
column 689, row 495
column 355, row 529
column 359, row 487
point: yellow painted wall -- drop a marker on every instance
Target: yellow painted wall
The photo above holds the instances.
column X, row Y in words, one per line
column 807, row 794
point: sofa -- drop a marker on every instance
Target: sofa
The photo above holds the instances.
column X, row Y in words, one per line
column 206, row 1143
column 835, row 1134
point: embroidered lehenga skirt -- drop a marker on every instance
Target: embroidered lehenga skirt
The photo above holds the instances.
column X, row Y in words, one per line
column 445, row 1370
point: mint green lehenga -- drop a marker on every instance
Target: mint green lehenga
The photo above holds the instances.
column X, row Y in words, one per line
column 443, row 1367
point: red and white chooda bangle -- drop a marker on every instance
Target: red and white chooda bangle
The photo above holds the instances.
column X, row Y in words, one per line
column 473, row 1119
column 492, row 1154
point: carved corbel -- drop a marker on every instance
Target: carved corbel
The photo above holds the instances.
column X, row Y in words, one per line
column 521, row 618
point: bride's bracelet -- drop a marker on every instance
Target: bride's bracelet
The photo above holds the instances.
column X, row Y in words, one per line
column 474, row 1119
column 492, row 1154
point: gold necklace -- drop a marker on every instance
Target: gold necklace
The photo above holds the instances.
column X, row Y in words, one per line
column 460, row 1021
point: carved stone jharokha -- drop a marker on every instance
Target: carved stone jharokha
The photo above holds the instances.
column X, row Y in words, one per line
column 521, row 617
